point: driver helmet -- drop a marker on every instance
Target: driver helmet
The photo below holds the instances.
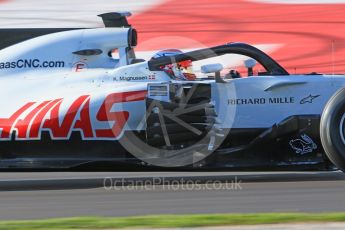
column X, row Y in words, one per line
column 181, row 70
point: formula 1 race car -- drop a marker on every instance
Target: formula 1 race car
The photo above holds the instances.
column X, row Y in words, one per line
column 81, row 97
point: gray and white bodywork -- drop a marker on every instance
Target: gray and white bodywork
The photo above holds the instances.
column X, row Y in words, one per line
column 81, row 97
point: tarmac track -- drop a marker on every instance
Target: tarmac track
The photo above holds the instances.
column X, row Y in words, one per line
column 83, row 194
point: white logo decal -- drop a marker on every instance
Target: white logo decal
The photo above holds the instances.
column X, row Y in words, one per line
column 303, row 145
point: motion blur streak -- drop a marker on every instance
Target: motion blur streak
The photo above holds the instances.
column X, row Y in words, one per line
column 300, row 1
column 307, row 32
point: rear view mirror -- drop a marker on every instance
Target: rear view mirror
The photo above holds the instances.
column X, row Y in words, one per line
column 212, row 68
column 250, row 63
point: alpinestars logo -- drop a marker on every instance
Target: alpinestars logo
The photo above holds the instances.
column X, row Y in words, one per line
column 309, row 99
column 32, row 118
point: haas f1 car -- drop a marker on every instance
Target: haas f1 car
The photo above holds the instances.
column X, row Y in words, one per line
column 81, row 97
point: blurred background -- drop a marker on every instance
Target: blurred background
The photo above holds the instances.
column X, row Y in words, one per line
column 304, row 36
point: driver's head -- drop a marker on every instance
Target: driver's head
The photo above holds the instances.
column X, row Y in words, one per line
column 181, row 70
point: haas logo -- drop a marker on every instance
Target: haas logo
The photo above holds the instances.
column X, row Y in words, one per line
column 31, row 119
column 303, row 145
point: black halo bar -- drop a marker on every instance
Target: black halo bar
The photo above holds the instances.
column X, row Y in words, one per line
column 266, row 61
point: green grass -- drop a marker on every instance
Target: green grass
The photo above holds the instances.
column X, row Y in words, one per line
column 166, row 221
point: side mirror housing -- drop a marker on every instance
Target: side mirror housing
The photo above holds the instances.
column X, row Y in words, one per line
column 250, row 63
column 212, row 68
